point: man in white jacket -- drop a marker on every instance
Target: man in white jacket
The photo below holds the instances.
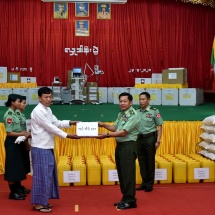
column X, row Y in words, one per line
column 44, row 125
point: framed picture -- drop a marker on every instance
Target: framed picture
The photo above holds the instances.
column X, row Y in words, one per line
column 60, row 10
column 103, row 11
column 82, row 28
column 82, row 9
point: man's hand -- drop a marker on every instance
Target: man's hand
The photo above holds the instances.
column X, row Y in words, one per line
column 73, row 136
column 101, row 124
column 72, row 122
column 102, row 136
column 157, row 144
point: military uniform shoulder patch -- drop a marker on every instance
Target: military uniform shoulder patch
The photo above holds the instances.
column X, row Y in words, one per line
column 10, row 113
column 9, row 120
column 153, row 108
column 131, row 112
column 158, row 115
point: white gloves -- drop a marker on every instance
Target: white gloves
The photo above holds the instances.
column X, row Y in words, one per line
column 20, row 139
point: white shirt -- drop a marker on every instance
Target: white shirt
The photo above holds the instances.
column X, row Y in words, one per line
column 44, row 125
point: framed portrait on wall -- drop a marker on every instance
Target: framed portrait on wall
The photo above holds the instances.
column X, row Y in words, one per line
column 103, row 11
column 60, row 10
column 82, row 28
column 82, row 9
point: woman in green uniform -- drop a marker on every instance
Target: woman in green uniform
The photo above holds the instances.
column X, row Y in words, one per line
column 24, row 145
column 14, row 165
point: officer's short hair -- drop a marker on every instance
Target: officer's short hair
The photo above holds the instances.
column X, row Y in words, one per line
column 44, row 90
column 130, row 97
column 146, row 94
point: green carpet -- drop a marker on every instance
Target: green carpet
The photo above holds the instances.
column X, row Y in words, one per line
column 109, row 112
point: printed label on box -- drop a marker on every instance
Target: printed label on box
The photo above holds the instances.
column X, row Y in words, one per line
column 113, row 175
column 153, row 97
column 186, row 96
column 160, row 174
column 3, row 97
column 136, row 97
column 172, row 75
column 169, row 97
column 71, row 176
column 201, row 173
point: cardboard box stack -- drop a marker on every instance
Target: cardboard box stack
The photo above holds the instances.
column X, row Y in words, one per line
column 174, row 76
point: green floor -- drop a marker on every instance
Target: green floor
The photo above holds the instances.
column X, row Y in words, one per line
column 108, row 112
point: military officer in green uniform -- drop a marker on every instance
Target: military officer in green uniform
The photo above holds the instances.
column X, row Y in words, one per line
column 148, row 140
column 14, row 165
column 125, row 130
column 25, row 145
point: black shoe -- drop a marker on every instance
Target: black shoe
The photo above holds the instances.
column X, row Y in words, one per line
column 126, row 206
column 16, row 196
column 118, row 203
column 25, row 190
column 148, row 189
column 20, row 192
column 141, row 187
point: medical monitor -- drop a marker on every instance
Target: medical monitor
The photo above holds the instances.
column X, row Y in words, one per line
column 77, row 72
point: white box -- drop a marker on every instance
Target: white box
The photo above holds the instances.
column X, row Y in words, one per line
column 28, row 79
column 169, row 96
column 103, row 94
column 117, row 91
column 4, row 92
column 3, row 74
column 33, row 96
column 135, row 93
column 110, row 94
column 155, row 96
column 190, row 96
column 22, row 92
column 156, row 78
column 143, row 80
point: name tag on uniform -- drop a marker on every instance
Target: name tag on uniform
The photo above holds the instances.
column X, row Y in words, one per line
column 87, row 129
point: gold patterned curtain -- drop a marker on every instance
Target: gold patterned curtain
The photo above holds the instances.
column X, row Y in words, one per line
column 203, row 2
column 178, row 137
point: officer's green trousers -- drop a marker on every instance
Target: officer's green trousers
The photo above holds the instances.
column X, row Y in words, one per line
column 146, row 156
column 125, row 156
